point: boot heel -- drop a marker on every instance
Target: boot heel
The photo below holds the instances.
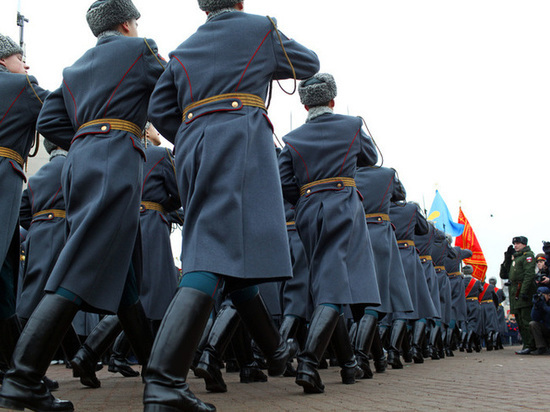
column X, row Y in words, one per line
column 11, row 404
column 309, row 384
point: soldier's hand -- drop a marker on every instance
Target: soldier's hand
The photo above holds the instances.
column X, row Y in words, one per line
column 509, row 252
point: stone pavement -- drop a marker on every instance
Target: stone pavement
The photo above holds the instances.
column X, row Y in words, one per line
column 498, row 380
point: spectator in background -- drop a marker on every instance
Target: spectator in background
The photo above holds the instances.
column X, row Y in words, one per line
column 543, row 277
column 540, row 325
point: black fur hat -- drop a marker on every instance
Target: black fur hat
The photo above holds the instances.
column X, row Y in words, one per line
column 213, row 5
column 317, row 90
column 104, row 15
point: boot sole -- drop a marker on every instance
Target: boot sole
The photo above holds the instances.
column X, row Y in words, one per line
column 21, row 406
column 210, row 382
column 123, row 372
column 84, row 379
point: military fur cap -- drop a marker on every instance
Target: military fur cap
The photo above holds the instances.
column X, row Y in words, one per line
column 49, row 146
column 493, row 281
column 8, row 47
column 520, row 239
column 104, row 15
column 318, row 90
column 468, row 269
column 213, row 5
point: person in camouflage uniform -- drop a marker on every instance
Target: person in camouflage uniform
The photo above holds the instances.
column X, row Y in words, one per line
column 520, row 272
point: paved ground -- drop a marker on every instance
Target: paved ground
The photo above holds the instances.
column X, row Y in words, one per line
column 498, row 380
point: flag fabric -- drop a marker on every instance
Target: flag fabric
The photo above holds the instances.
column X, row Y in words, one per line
column 440, row 215
column 468, row 240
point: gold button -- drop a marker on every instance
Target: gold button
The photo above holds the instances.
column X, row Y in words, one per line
column 235, row 104
column 308, row 191
column 190, row 116
column 339, row 185
column 50, row 216
column 379, row 219
column 103, row 128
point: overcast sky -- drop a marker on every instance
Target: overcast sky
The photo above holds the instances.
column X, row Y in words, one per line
column 455, row 93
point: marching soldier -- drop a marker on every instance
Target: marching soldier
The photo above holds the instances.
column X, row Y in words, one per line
column 409, row 222
column 329, row 218
column 472, row 292
column 502, row 329
column 20, row 102
column 521, row 274
column 379, row 187
column 99, row 112
column 488, row 301
column 233, row 234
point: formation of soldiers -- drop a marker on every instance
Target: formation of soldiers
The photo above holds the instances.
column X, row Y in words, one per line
column 359, row 271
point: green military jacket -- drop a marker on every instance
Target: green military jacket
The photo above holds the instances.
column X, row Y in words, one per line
column 522, row 279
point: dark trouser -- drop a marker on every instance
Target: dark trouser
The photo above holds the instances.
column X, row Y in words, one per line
column 541, row 334
column 523, row 317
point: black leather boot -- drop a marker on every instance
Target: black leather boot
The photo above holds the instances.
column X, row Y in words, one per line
column 398, row 330
column 288, row 330
column 10, row 330
column 321, row 328
column 406, row 346
column 435, row 339
column 261, row 327
column 463, row 340
column 489, row 341
column 448, row 342
column 137, row 329
column 210, row 364
column 117, row 361
column 85, row 361
column 249, row 370
column 345, row 355
column 202, row 344
column 419, row 332
column 70, row 344
column 166, row 388
column 469, row 341
column 23, row 386
column 366, row 331
column 377, row 351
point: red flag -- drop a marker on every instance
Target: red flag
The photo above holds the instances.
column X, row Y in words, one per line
column 468, row 240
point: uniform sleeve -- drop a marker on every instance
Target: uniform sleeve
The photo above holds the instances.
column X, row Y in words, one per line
column 368, row 155
column 304, row 61
column 164, row 111
column 170, row 183
column 422, row 227
column 25, row 211
column 291, row 191
column 155, row 63
column 37, row 94
column 528, row 275
column 54, row 123
column 465, row 254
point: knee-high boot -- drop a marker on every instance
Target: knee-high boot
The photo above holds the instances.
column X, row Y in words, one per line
column 406, row 346
column 261, row 327
column 366, row 331
column 137, row 329
column 10, row 329
column 377, row 350
column 117, row 361
column 489, row 341
column 23, row 386
column 435, row 337
column 202, row 343
column 70, row 343
column 344, row 353
column 166, row 389
column 448, row 342
column 288, row 330
column 321, row 328
column 398, row 330
column 249, row 370
column 210, row 364
column 419, row 332
column 85, row 361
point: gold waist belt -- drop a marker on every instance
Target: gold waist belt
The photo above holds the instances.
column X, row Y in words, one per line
column 406, row 243
column 116, row 124
column 454, row 274
column 11, row 154
column 342, row 182
column 440, row 267
column 472, row 298
column 427, row 257
column 487, row 301
column 379, row 216
column 246, row 99
column 152, row 206
column 51, row 213
column 292, row 223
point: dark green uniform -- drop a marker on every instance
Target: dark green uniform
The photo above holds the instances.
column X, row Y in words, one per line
column 522, row 288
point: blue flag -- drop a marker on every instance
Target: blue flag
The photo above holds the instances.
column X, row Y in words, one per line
column 439, row 214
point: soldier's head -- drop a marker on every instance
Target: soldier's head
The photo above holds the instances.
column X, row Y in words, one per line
column 493, row 281
column 319, row 90
column 541, row 261
column 519, row 243
column 468, row 270
column 210, row 6
column 11, row 56
column 113, row 15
